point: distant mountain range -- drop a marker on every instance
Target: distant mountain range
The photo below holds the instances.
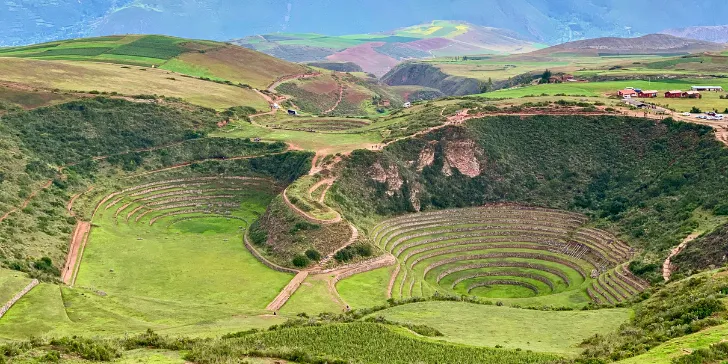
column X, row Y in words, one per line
column 378, row 53
column 648, row 44
column 544, row 21
column 717, row 33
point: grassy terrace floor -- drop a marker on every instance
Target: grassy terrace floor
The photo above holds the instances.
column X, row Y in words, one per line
column 480, row 325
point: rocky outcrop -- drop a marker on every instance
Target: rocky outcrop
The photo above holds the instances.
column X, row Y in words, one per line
column 463, row 156
column 420, row 74
column 390, row 176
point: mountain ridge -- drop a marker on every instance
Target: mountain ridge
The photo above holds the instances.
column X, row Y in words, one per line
column 647, row 44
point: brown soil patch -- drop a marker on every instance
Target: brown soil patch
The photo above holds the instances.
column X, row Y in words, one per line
column 243, row 65
column 321, row 86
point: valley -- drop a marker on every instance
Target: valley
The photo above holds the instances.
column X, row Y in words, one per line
column 174, row 200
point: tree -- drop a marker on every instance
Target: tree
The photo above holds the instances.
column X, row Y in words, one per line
column 695, row 110
column 546, row 76
column 300, row 261
column 313, row 254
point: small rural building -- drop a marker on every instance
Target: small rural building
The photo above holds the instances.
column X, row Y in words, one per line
column 647, row 93
column 386, row 103
column 292, row 112
column 407, row 104
column 562, row 78
column 693, row 95
column 276, row 106
column 627, row 93
column 674, row 94
column 707, row 88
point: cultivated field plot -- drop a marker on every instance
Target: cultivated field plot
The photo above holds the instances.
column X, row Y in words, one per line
column 126, row 80
column 709, row 101
column 518, row 254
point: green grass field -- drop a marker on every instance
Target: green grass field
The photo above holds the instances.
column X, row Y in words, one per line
column 365, row 289
column 11, row 282
column 481, row 325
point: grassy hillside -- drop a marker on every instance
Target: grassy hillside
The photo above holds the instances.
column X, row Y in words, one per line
column 206, row 73
column 641, row 178
column 198, row 58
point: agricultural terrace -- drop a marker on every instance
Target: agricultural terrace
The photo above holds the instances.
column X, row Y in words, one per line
column 163, row 253
column 606, row 90
column 519, row 254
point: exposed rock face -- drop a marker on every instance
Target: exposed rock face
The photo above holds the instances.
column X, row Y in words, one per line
column 427, row 157
column 390, row 176
column 425, row 75
column 414, row 197
column 463, row 155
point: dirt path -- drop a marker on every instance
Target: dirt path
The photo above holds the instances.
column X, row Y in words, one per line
column 78, row 239
column 26, row 201
column 352, row 239
column 328, row 182
column 308, row 217
column 392, row 278
column 69, row 206
column 314, row 168
column 272, row 87
column 667, row 267
column 341, row 96
column 287, row 292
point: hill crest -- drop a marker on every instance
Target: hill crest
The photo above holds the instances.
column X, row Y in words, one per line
column 647, row 44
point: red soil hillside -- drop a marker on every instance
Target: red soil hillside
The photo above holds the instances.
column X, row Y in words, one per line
column 242, row 65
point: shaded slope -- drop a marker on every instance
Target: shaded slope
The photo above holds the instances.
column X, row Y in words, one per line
column 648, row 44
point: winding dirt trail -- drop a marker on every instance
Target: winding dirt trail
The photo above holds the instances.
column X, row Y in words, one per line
column 308, row 217
column 341, row 96
column 667, row 267
column 26, row 201
column 272, row 87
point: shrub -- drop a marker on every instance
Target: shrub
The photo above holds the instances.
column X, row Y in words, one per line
column 695, row 110
column 300, row 261
column 313, row 254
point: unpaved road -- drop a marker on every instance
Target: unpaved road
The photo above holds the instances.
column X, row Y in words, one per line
column 667, row 267
column 78, row 241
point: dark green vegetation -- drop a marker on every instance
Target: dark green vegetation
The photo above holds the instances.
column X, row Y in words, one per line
column 642, row 179
column 679, row 309
column 284, row 236
column 334, row 343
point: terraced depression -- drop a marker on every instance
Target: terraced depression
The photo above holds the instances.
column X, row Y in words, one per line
column 507, row 252
column 181, row 240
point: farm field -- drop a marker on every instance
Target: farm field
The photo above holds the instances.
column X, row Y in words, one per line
column 88, row 76
column 558, row 332
column 710, row 100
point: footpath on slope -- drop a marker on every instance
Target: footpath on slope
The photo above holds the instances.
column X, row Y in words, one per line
column 667, row 267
